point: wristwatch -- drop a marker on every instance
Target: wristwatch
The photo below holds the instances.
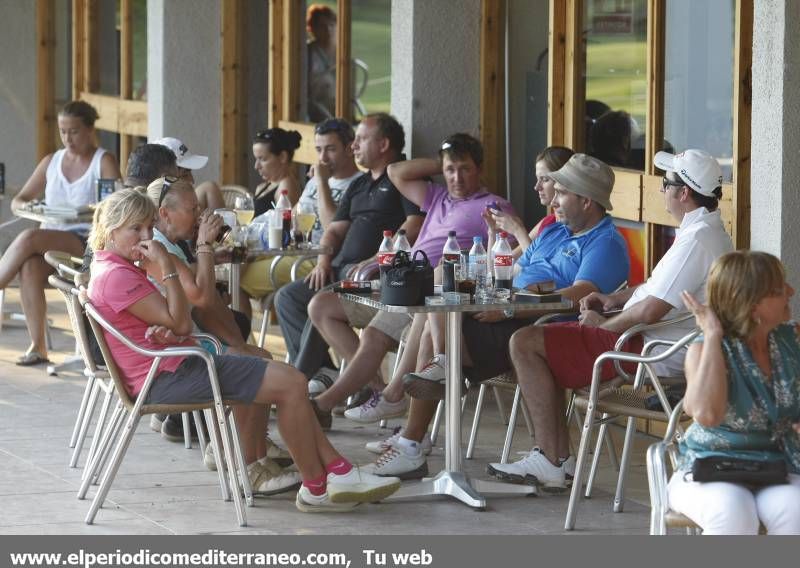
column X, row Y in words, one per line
column 509, row 313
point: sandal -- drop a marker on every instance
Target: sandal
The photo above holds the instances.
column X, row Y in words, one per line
column 32, row 358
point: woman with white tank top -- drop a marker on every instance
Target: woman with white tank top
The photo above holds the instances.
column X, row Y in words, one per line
column 65, row 178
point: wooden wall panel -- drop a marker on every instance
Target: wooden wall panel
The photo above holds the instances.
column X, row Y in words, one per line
column 556, row 69
column 275, row 64
column 627, row 195
column 742, row 111
column 45, row 72
column 306, row 153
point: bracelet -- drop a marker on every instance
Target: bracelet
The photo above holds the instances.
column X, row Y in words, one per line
column 204, row 251
column 170, row 275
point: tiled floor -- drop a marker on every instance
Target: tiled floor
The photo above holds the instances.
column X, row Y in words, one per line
column 164, row 488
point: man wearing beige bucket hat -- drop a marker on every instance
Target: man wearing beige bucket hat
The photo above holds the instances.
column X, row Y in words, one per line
column 551, row 358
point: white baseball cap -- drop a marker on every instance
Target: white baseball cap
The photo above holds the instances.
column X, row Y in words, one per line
column 697, row 168
column 185, row 159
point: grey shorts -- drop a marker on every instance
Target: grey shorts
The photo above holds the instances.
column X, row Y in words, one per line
column 390, row 324
column 239, row 377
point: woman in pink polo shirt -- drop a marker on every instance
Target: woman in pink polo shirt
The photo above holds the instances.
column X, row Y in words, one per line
column 119, row 289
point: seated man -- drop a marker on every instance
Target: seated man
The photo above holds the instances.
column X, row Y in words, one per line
column 208, row 193
column 147, row 163
column 551, row 358
column 330, row 177
column 457, row 206
column 582, row 253
column 370, row 205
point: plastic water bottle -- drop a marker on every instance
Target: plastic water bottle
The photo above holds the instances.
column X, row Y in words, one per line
column 401, row 242
column 284, row 209
column 503, row 261
column 385, row 252
column 478, row 269
column 451, row 255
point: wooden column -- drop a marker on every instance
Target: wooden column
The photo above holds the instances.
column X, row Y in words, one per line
column 125, row 73
column 45, row 77
column 344, row 66
column 742, row 110
column 574, row 84
column 276, row 73
column 234, row 103
column 656, row 49
column 491, row 94
column 78, row 31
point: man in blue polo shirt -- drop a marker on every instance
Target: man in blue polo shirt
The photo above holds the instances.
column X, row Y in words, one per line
column 582, row 253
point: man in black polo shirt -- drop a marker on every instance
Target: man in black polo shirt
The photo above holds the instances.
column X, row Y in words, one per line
column 369, row 206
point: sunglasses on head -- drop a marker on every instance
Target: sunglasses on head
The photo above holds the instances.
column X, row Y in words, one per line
column 264, row 135
column 332, row 125
column 168, row 181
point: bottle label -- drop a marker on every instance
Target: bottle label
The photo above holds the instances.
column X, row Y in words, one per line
column 451, row 257
column 385, row 258
column 503, row 260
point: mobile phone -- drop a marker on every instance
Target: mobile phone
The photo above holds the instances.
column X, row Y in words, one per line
column 105, row 187
column 493, row 206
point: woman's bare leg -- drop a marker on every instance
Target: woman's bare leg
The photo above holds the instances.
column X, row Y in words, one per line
column 35, row 242
column 33, row 279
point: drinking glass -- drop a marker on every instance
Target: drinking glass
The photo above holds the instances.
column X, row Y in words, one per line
column 244, row 209
column 305, row 217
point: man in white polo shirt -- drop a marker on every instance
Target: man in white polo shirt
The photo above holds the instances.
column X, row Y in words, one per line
column 551, row 358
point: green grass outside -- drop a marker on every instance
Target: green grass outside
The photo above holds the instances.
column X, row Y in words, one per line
column 616, row 73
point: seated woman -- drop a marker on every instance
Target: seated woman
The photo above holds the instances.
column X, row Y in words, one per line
column 273, row 150
column 743, row 391
column 66, row 178
column 120, row 291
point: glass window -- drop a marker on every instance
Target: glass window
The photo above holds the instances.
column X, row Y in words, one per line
column 698, row 89
column 372, row 58
column 615, row 70
column 107, row 48
column 139, row 31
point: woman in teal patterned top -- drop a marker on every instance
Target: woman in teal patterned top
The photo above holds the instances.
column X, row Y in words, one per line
column 743, row 391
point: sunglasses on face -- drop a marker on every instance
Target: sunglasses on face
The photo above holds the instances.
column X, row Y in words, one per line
column 168, row 181
column 666, row 183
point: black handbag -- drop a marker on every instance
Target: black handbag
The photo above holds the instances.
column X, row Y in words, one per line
column 737, row 470
column 408, row 280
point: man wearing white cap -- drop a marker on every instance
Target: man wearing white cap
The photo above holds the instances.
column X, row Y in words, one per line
column 208, row 193
column 551, row 358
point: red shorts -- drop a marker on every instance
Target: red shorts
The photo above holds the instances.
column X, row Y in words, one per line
column 572, row 349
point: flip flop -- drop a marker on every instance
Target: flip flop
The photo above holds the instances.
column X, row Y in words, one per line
column 32, row 358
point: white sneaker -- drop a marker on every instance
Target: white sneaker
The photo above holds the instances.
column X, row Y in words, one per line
column 377, row 408
column 309, row 503
column 568, row 465
column 156, row 420
column 269, row 478
column 322, row 381
column 533, row 469
column 359, row 486
column 396, row 462
column 208, row 458
column 382, row 445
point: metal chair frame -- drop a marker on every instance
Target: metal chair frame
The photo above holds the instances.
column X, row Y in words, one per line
column 595, row 402
column 128, row 413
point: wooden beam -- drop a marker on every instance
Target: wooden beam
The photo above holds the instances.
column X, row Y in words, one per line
column 574, row 83
column 118, row 115
column 344, row 57
column 91, row 63
column 491, row 94
column 742, row 110
column 656, row 27
column 233, row 103
column 78, row 45
column 275, row 64
column 125, row 72
column 306, row 153
column 45, row 77
column 556, row 69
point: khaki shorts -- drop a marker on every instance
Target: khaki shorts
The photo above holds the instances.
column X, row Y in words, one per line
column 390, row 324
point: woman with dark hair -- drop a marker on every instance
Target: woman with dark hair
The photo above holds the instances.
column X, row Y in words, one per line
column 66, row 178
column 743, row 392
column 273, row 150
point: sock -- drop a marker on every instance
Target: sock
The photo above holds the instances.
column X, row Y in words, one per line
column 410, row 447
column 339, row 466
column 316, row 486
